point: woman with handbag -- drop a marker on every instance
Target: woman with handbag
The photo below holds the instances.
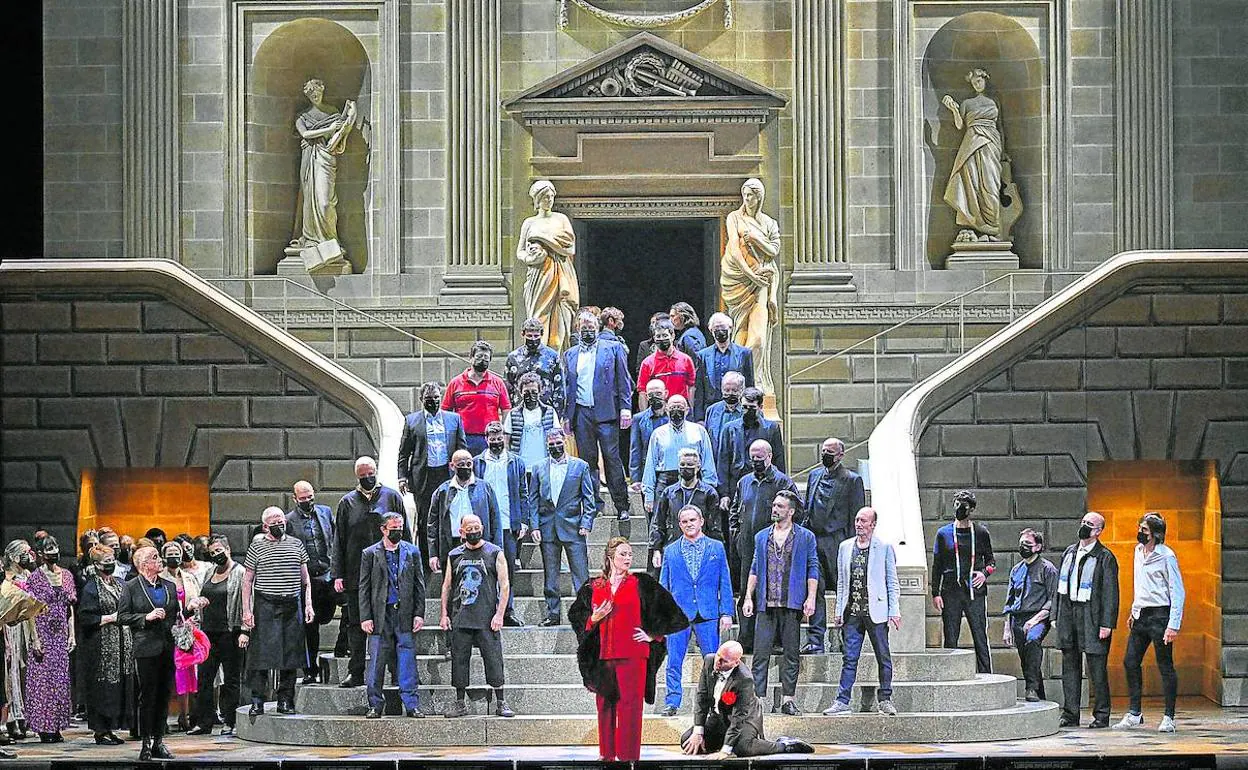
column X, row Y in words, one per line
column 175, row 570
column 149, row 606
column 620, row 619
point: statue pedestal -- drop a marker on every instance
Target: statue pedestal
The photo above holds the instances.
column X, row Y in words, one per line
column 325, row 258
column 982, row 255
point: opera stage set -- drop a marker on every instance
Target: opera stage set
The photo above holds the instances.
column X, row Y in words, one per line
column 996, row 245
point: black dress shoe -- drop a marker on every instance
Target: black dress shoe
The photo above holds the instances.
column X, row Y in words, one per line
column 414, row 713
column 812, row 649
column 1098, row 724
column 6, row 754
column 199, row 730
column 285, row 707
column 668, row 711
column 256, row 710
column 789, row 708
column 373, row 713
column 114, row 739
column 310, row 679
column 145, row 753
column 101, row 739
column 511, row 621
column 161, row 751
column 351, row 681
column 1068, row 722
column 548, row 622
column 794, row 746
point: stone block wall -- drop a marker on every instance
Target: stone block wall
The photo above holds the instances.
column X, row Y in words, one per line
column 1149, row 376
column 138, row 383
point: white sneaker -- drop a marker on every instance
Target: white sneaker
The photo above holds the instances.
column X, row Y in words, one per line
column 836, row 709
column 1166, row 726
column 1129, row 721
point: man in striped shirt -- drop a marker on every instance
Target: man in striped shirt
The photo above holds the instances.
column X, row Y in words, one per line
column 277, row 602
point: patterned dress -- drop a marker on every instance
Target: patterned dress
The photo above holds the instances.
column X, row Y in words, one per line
column 48, row 701
column 107, row 653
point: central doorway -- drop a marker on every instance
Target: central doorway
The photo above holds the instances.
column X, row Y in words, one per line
column 646, row 266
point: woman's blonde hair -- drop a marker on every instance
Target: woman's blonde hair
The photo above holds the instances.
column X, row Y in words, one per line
column 609, row 554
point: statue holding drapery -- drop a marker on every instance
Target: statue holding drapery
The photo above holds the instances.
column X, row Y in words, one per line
column 323, row 132
column 547, row 247
column 750, row 278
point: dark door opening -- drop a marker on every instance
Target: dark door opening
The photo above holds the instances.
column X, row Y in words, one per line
column 643, row 267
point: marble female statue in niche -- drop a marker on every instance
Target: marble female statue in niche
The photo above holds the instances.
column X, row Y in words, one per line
column 974, row 189
column 323, row 131
column 750, row 278
column 547, row 247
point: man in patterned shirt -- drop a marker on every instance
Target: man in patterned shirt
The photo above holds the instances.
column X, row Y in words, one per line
column 541, row 359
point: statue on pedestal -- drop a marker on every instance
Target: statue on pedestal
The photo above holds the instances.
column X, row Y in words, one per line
column 981, row 188
column 323, row 131
column 750, row 278
column 547, row 247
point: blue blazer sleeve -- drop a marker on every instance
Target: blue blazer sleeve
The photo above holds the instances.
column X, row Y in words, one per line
column 569, row 382
column 634, row 453
column 665, row 573
column 496, row 516
column 459, row 439
column 726, row 606
column 623, row 381
column 588, row 507
column 812, row 555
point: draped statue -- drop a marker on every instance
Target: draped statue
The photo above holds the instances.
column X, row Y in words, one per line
column 974, row 189
column 547, row 247
column 750, row 278
column 323, row 131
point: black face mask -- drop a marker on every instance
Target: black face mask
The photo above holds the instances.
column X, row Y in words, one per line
column 307, row 505
column 532, row 345
column 829, row 459
column 1085, row 532
column 220, row 559
column 732, row 399
column 1025, row 551
column 431, row 405
column 1141, row 538
column 555, row 451
column 26, row 561
column 173, row 562
column 123, row 554
column 677, row 416
column 473, row 538
column 961, row 513
column 394, row 535
column 665, row 345
column 530, row 400
column 720, row 335
column 496, row 447
column 654, row 402
column 106, row 567
column 463, row 474
column 759, row 466
column 688, row 474
column 51, row 557
column 589, row 338
column 368, row 482
column 480, row 366
column 187, row 558
column 750, row 415
column 277, row 532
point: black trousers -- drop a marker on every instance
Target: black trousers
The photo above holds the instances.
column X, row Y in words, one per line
column 258, row 684
column 827, row 546
column 1150, row 628
column 226, row 655
column 1072, row 673
column 490, row 643
column 958, row 605
column 750, row 741
column 324, row 602
column 154, row 677
column 1030, row 653
column 785, row 625
column 357, row 640
column 745, row 632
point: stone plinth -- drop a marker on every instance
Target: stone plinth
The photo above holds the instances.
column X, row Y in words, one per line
column 982, row 255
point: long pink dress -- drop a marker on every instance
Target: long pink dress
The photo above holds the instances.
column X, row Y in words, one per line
column 185, row 680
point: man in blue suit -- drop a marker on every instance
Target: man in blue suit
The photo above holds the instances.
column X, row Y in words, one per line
column 785, row 557
column 561, row 491
column 503, row 471
column 392, row 609
column 430, row 437
column 727, row 410
column 716, row 360
column 599, row 401
column 695, row 571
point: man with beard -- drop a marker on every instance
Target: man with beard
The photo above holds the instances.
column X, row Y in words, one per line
column 540, row 359
column 478, row 396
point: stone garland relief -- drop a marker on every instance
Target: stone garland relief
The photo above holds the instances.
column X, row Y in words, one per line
column 981, row 188
column 642, row 20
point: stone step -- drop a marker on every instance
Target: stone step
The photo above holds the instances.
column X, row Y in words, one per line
column 1020, row 721
column 530, row 555
column 935, row 666
column 985, row 692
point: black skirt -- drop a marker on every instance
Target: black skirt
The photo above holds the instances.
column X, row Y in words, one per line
column 277, row 641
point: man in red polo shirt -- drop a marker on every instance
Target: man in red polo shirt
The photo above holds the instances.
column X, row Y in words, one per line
column 478, row 396
column 666, row 363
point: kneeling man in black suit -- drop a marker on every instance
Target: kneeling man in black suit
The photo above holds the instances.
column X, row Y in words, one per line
column 727, row 717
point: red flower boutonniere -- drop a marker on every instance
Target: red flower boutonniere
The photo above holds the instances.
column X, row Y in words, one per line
column 728, row 698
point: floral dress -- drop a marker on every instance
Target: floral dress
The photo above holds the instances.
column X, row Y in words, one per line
column 48, row 699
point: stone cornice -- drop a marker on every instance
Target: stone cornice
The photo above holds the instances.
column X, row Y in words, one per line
column 404, row 318
column 877, row 313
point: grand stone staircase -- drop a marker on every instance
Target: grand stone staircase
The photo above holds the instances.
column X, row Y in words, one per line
column 938, row 693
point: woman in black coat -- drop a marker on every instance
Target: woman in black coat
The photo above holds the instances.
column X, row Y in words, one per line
column 620, row 619
column 106, row 651
column 149, row 606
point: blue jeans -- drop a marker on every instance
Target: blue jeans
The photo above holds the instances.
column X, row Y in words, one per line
column 594, row 437
column 387, row 643
column 858, row 628
column 578, row 563
column 678, row 645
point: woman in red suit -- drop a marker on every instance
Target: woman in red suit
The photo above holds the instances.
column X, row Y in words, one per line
column 620, row 619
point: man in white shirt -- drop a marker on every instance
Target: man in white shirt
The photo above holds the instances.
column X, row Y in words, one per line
column 663, row 454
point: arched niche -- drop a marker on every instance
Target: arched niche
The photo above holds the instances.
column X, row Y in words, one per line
column 287, row 58
column 1018, row 83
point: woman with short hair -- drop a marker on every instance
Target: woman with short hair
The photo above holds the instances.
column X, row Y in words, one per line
column 107, row 649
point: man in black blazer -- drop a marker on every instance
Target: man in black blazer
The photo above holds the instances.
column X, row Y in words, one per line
column 392, row 610
column 1085, row 615
column 149, row 605
column 431, row 437
column 727, row 717
column 732, row 456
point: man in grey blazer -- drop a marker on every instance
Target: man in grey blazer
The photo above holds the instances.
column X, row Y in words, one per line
column 562, row 492
column 392, row 610
column 868, row 601
column 727, row 716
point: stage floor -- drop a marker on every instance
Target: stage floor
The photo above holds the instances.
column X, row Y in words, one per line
column 1204, row 728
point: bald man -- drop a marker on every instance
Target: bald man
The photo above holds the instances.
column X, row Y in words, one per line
column 1085, row 615
column 727, row 716
column 312, row 524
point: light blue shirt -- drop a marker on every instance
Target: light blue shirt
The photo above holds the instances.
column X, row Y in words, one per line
column 586, row 359
column 435, row 441
column 663, row 454
column 558, row 472
column 496, row 478
column 461, row 505
column 532, row 440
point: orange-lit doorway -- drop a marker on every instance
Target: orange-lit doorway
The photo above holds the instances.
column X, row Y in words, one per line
column 133, row 500
column 1186, row 494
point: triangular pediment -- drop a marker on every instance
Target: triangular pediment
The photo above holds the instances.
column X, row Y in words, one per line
column 647, row 68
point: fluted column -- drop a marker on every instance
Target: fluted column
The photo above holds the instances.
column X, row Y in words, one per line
column 150, row 149
column 1145, row 158
column 474, row 248
column 818, row 153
